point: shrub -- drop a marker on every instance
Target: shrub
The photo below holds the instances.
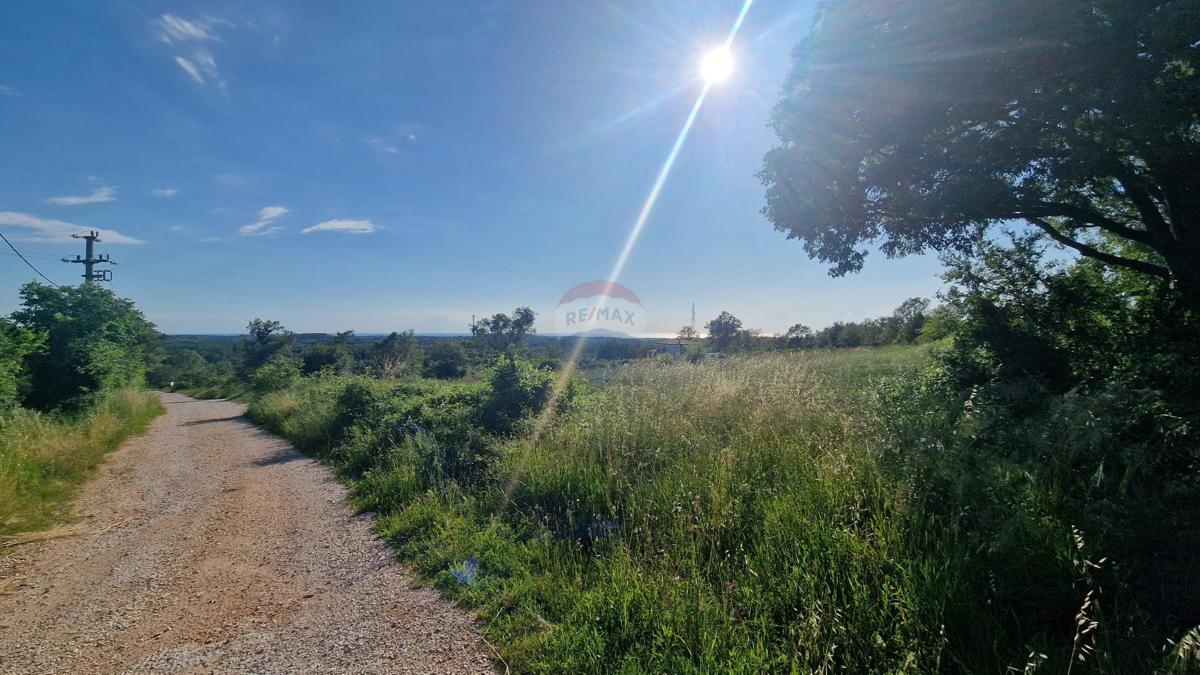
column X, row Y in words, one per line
column 275, row 374
column 516, row 389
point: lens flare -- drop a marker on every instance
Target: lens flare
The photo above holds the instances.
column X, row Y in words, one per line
column 717, row 65
column 568, row 370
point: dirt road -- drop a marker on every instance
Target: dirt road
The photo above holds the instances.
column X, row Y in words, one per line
column 211, row 545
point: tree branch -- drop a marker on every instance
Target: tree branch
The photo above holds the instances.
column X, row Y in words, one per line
column 1059, row 209
column 1091, row 252
column 1137, row 193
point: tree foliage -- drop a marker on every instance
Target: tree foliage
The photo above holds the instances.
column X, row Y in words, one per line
column 723, row 331
column 94, row 341
column 916, row 125
column 266, row 339
column 16, row 344
column 502, row 331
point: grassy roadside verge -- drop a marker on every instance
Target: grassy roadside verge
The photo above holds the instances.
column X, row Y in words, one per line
column 716, row 517
column 44, row 457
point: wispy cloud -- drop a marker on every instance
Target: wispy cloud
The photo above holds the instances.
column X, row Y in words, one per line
column 100, row 194
column 272, row 212
column 6, row 90
column 392, row 144
column 343, row 225
column 265, row 224
column 382, row 145
column 164, row 192
column 190, row 37
column 172, row 29
column 48, row 230
column 231, row 180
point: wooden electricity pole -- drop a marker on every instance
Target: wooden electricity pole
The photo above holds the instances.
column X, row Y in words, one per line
column 90, row 260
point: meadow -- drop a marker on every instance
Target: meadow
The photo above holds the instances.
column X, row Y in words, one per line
column 819, row 511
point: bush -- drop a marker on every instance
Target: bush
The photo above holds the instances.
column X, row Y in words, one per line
column 516, row 389
column 275, row 374
column 446, row 360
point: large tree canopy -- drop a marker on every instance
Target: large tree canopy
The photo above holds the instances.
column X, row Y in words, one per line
column 915, row 124
column 94, row 341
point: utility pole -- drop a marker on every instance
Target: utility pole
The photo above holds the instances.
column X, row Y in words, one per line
column 90, row 260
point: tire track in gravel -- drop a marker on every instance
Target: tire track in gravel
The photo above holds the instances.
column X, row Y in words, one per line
column 213, row 546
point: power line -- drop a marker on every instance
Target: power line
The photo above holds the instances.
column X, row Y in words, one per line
column 14, row 248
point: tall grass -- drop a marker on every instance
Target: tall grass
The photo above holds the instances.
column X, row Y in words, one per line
column 44, row 457
column 774, row 513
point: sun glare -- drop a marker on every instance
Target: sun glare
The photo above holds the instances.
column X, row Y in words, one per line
column 717, row 65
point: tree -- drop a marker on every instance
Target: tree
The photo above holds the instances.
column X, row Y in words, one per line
column 920, row 124
column 396, row 355
column 723, row 330
column 907, row 321
column 797, row 336
column 267, row 338
column 687, row 333
column 94, row 342
column 502, row 331
column 263, row 331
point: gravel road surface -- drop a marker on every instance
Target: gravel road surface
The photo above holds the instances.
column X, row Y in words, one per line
column 209, row 545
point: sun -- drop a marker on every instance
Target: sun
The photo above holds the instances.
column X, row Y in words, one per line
column 717, row 65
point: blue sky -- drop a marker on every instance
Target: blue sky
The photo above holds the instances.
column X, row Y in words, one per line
column 383, row 166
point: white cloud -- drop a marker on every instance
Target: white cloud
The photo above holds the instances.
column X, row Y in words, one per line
column 343, row 225
column 6, row 90
column 190, row 35
column 48, row 230
column 100, row 194
column 164, row 192
column 203, row 68
column 265, row 223
column 171, row 29
column 190, row 68
column 272, row 212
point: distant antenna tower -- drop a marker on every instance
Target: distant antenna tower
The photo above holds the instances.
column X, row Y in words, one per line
column 90, row 260
column 693, row 315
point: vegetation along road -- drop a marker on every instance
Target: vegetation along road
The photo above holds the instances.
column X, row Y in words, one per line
column 207, row 544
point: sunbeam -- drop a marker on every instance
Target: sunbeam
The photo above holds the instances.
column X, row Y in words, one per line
column 568, row 369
